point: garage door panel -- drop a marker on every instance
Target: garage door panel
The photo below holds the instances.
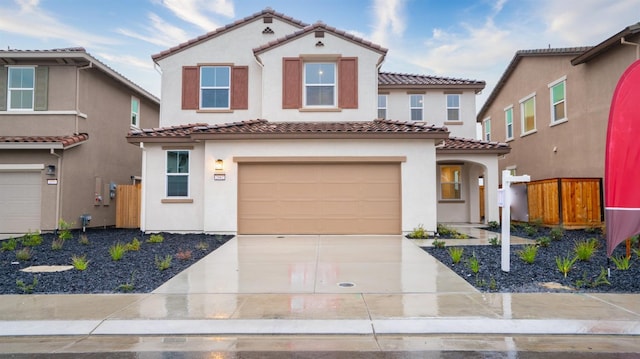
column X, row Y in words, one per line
column 20, row 195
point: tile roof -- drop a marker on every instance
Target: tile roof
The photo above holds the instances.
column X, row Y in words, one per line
column 264, row 13
column 568, row 51
column 315, row 27
column 392, row 79
column 64, row 141
column 459, row 145
column 277, row 130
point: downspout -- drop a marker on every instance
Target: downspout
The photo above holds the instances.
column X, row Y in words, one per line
column 143, row 179
column 625, row 42
column 261, row 83
column 77, row 130
column 58, row 186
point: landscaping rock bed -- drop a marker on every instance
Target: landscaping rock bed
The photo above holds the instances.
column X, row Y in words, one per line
column 543, row 274
column 136, row 272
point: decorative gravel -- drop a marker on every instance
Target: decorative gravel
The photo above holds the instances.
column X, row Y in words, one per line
column 104, row 275
column 525, row 277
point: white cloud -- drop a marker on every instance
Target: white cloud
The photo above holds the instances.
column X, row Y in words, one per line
column 159, row 33
column 127, row 60
column 389, row 19
column 199, row 12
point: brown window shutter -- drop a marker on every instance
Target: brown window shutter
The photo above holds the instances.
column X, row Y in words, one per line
column 3, row 88
column 190, row 88
column 42, row 89
column 348, row 82
column 291, row 83
column 239, row 87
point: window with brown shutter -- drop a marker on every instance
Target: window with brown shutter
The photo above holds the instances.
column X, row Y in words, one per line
column 348, row 82
column 190, row 87
column 239, row 87
column 291, row 83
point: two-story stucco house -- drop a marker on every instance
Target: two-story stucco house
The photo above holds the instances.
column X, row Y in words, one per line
column 552, row 107
column 273, row 126
column 64, row 116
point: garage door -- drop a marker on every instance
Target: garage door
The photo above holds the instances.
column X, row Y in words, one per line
column 20, row 198
column 319, row 198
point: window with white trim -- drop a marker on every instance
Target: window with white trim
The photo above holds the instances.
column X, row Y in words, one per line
column 508, row 122
column 416, row 107
column 215, row 85
column 528, row 114
column 20, row 89
column 135, row 112
column 178, row 173
column 320, row 84
column 487, row 129
column 382, row 106
column 453, row 107
column 450, row 182
column 557, row 94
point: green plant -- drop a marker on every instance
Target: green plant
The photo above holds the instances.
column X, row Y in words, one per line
column 622, row 262
column 9, row 245
column 117, row 251
column 419, row 233
column 202, row 245
column 556, row 233
column 584, row 249
column 57, row 244
column 23, row 254
column 493, row 225
column 636, row 251
column 83, row 239
column 543, row 241
column 444, row 231
column 494, row 241
column 65, row 232
column 183, row 255
column 438, row 244
column 601, row 279
column 480, row 282
column 474, row 264
column 31, row 239
column 27, row 288
column 134, row 245
column 156, row 238
column 163, row 263
column 492, row 284
column 79, row 262
column 530, row 230
column 128, row 286
column 528, row 253
column 456, row 253
column 565, row 264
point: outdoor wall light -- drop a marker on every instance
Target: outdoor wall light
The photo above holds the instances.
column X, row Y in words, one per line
column 51, row 170
column 219, row 166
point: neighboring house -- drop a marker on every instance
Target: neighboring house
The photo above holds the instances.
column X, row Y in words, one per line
column 552, row 107
column 63, row 120
column 292, row 129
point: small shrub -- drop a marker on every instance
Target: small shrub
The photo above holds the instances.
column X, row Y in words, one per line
column 622, row 262
column 163, row 263
column 9, row 245
column 438, row 244
column 117, row 251
column 601, row 279
column 419, row 233
column 444, row 230
column 494, row 225
column 31, row 239
column 156, row 238
column 57, row 244
column 64, row 233
column 584, row 249
column 184, row 255
column 79, row 262
column 23, row 254
column 202, row 245
column 128, row 286
column 27, row 288
column 494, row 241
column 134, row 245
column 543, row 241
column 637, row 252
column 83, row 239
column 556, row 233
column 565, row 264
column 456, row 254
column 530, row 230
column 492, row 284
column 474, row 264
column 528, row 253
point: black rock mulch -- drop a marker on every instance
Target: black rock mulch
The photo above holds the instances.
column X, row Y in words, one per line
column 525, row 277
column 135, row 272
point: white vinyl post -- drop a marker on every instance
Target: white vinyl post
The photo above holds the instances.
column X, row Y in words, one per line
column 505, row 235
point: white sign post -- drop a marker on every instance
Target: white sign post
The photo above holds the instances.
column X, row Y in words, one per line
column 505, row 196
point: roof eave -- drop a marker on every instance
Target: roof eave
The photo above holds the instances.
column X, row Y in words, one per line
column 469, row 151
column 476, row 87
column 323, row 136
column 603, row 46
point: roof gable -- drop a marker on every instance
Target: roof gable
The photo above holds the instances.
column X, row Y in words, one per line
column 607, row 44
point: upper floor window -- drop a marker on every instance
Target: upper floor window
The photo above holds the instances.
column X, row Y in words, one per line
column 320, row 84
column 508, row 122
column 177, row 173
column 487, row 129
column 21, row 86
column 557, row 93
column 453, row 107
column 416, row 107
column 215, row 85
column 450, row 182
column 528, row 114
column 382, row 106
column 135, row 112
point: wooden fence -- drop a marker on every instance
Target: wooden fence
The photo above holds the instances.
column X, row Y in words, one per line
column 128, row 206
column 570, row 202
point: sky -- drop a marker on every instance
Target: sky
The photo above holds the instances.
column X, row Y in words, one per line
column 471, row 39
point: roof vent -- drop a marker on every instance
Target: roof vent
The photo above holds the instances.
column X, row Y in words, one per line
column 319, row 44
column 267, row 19
column 319, row 33
column 268, row 30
